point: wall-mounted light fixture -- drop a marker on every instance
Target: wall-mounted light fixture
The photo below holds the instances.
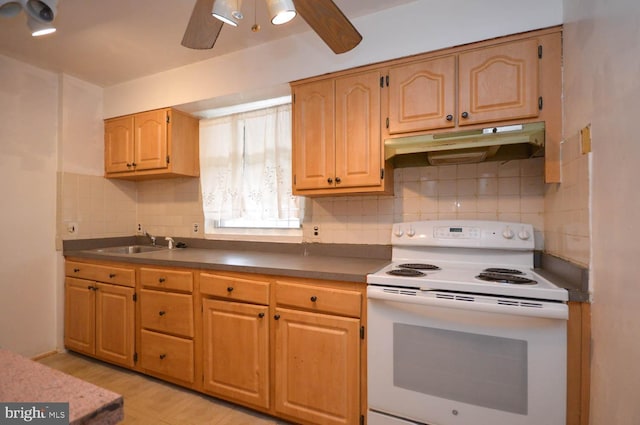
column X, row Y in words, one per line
column 40, row 13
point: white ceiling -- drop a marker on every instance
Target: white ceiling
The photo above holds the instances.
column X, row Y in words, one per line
column 107, row 42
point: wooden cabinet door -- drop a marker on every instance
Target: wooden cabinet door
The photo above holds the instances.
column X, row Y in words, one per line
column 115, row 324
column 358, row 143
column 422, row 95
column 236, row 351
column 317, row 367
column 118, row 145
column 151, row 140
column 313, row 136
column 79, row 315
column 498, row 83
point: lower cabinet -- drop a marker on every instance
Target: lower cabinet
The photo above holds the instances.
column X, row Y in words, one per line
column 99, row 317
column 317, row 367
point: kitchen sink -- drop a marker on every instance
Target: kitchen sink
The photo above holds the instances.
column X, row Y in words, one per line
column 129, row 249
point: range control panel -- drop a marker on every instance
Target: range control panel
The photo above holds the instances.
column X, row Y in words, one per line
column 464, row 234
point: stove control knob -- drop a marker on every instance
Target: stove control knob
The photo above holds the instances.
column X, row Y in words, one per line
column 411, row 233
column 524, row 235
column 507, row 233
column 398, row 232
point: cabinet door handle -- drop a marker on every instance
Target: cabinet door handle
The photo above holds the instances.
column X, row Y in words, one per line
column 449, row 117
column 112, row 275
column 330, row 180
column 277, row 317
column 162, row 313
column 162, row 356
column 161, row 280
column 133, row 164
column 90, row 287
column 465, row 114
column 261, row 315
column 128, row 165
column 229, row 288
column 314, row 299
column 338, row 180
column 76, row 270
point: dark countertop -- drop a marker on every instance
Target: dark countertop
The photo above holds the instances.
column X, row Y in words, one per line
column 351, row 264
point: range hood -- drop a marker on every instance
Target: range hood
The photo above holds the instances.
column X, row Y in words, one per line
column 466, row 147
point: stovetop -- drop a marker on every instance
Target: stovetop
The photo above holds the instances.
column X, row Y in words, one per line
column 481, row 257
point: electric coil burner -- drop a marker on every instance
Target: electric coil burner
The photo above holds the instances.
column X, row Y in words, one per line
column 505, row 278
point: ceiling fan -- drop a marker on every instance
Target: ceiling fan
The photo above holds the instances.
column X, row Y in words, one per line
column 323, row 16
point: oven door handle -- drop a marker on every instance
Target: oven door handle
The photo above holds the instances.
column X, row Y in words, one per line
column 488, row 304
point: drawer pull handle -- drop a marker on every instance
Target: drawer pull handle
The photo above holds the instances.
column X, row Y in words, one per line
column 162, row 356
column 261, row 315
column 76, row 270
column 162, row 313
column 314, row 299
column 230, row 288
column 277, row 317
column 112, row 275
column 162, row 280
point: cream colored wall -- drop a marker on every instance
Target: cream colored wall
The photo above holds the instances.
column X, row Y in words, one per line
column 602, row 65
column 29, row 111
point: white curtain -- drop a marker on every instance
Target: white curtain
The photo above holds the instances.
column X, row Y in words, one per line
column 245, row 162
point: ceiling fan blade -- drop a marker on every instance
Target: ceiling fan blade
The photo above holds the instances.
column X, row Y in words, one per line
column 203, row 29
column 328, row 21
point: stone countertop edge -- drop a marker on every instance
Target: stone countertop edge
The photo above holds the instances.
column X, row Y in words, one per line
column 24, row 380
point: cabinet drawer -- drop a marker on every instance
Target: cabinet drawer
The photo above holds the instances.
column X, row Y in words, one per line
column 101, row 273
column 318, row 298
column 167, row 312
column 168, row 355
column 166, row 279
column 236, row 289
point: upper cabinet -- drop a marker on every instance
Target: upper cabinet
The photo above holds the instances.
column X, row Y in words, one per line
column 159, row 143
column 337, row 147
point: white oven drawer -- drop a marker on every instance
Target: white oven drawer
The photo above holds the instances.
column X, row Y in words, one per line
column 375, row 418
column 438, row 362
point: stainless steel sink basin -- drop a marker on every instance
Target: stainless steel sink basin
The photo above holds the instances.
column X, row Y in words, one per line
column 129, row 249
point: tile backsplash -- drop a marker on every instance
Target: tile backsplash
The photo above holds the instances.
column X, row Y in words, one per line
column 512, row 191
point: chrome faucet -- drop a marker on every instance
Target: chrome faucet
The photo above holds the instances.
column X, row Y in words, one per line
column 153, row 238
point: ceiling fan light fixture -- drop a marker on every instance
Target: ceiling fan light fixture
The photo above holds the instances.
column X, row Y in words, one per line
column 42, row 10
column 281, row 11
column 228, row 11
column 39, row 28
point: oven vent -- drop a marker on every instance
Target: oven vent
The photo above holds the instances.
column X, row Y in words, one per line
column 455, row 297
column 400, row 291
column 519, row 303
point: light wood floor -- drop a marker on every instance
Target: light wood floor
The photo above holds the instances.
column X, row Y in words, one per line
column 148, row 401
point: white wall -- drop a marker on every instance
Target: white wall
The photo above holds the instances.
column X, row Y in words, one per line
column 28, row 156
column 602, row 65
column 417, row 27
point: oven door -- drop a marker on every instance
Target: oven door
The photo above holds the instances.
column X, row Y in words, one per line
column 458, row 359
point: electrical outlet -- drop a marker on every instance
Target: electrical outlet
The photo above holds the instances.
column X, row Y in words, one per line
column 140, row 230
column 315, row 233
column 72, row 228
column 195, row 229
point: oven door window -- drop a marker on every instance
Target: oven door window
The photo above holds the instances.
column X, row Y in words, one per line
column 482, row 370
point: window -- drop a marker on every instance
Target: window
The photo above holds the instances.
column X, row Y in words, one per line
column 245, row 161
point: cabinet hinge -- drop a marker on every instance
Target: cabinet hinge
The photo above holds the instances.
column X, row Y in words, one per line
column 294, row 179
column 361, row 419
column 540, row 103
column 168, row 119
column 361, row 332
column 135, row 357
column 387, row 122
column 382, row 174
column 381, row 82
column 387, row 80
column 168, row 159
column 293, row 98
column 540, row 52
column 135, row 297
